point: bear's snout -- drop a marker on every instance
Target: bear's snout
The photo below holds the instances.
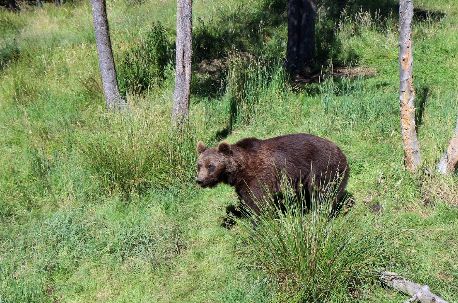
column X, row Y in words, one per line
column 199, row 181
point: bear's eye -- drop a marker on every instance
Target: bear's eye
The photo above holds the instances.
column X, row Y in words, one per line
column 211, row 168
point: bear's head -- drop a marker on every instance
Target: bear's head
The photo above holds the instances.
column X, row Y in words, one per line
column 213, row 164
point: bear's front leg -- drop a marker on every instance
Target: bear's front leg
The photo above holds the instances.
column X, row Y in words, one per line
column 251, row 196
column 234, row 212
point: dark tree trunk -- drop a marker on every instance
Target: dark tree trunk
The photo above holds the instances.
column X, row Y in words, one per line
column 301, row 36
column 113, row 99
column 58, row 2
column 183, row 62
column 407, row 92
column 13, row 6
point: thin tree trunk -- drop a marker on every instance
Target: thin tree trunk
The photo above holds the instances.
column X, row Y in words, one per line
column 301, row 36
column 407, row 93
column 182, row 91
column 449, row 160
column 113, row 99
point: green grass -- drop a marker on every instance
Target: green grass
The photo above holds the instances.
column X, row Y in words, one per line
column 312, row 256
column 99, row 207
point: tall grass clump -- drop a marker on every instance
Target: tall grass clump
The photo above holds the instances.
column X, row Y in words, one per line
column 139, row 150
column 310, row 254
column 248, row 79
column 144, row 65
column 9, row 52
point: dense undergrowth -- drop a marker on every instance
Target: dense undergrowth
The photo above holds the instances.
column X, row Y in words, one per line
column 101, row 207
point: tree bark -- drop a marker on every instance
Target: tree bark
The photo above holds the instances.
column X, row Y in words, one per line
column 449, row 160
column 113, row 99
column 301, row 36
column 182, row 91
column 407, row 93
column 13, row 6
column 420, row 293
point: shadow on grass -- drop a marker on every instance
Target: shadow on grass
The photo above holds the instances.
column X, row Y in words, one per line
column 387, row 9
column 241, row 31
column 421, row 101
column 247, row 31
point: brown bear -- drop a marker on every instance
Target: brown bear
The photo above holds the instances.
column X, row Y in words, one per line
column 255, row 167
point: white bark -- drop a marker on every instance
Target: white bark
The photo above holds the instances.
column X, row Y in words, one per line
column 449, row 159
column 407, row 93
column 182, row 91
column 113, row 98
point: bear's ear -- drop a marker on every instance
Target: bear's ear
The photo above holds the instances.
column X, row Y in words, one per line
column 200, row 147
column 224, row 148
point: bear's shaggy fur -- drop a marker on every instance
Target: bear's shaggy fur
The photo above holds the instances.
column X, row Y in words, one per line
column 254, row 167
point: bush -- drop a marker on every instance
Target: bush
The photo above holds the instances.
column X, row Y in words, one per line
column 144, row 65
column 311, row 255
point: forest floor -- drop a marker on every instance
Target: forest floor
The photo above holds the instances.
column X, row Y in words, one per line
column 102, row 207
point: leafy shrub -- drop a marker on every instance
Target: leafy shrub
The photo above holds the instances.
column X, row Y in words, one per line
column 144, row 65
column 310, row 254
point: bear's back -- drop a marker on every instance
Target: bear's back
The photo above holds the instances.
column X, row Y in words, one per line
column 250, row 144
column 299, row 152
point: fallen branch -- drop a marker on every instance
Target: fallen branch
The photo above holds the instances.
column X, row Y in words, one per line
column 420, row 293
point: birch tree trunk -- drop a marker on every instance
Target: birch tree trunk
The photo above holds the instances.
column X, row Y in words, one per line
column 113, row 99
column 449, row 160
column 182, row 92
column 301, row 36
column 407, row 93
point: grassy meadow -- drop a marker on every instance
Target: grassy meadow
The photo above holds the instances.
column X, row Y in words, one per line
column 102, row 207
